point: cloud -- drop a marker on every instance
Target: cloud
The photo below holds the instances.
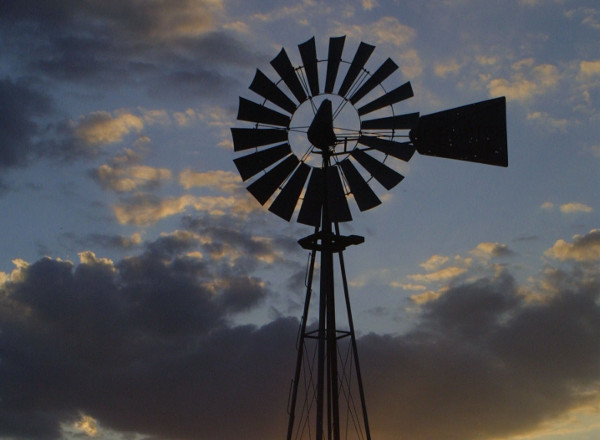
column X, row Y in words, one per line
column 587, row 16
column 101, row 127
column 94, row 339
column 444, row 69
column 145, row 209
column 104, row 330
column 434, row 262
column 225, row 181
column 439, row 275
column 547, row 205
column 582, row 248
column 368, row 5
column 526, row 81
column 22, row 106
column 488, row 250
column 478, row 351
column 544, row 118
column 590, row 68
column 123, row 174
column 116, row 241
column 575, row 207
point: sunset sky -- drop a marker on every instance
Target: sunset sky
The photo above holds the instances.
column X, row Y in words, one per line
column 144, row 294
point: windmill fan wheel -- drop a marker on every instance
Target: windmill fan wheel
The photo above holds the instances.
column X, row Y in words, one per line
column 346, row 160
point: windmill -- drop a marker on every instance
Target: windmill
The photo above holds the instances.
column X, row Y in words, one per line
column 314, row 142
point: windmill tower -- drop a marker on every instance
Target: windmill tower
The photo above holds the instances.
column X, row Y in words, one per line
column 314, row 142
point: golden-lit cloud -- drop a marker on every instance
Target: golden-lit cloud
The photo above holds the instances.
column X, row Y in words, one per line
column 582, row 248
column 369, row 4
column 130, row 177
column 220, row 180
column 101, row 127
column 575, row 207
column 444, row 274
column 547, row 120
column 89, row 257
column 144, row 209
column 487, row 250
column 156, row 116
column 407, row 286
column 547, row 205
column 526, row 81
column 185, row 118
column 589, row 68
column 443, row 69
column 434, row 262
column 426, row 297
column 87, row 425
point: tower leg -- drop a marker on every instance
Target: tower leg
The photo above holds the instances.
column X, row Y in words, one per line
column 300, row 347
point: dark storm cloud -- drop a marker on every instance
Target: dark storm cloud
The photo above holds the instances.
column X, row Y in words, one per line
column 486, row 363
column 172, row 51
column 151, row 329
column 144, row 345
column 482, row 363
column 75, row 40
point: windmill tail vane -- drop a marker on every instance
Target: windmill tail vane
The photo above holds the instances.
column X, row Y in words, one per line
column 350, row 131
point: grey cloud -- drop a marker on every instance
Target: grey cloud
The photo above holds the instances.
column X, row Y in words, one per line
column 21, row 108
column 485, row 364
column 143, row 346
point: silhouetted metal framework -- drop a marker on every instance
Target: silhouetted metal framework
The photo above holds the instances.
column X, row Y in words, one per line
column 347, row 161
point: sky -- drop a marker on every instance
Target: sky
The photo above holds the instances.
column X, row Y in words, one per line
column 144, row 294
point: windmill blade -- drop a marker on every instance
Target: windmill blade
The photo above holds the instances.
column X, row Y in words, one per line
column 253, row 112
column 264, row 187
column 244, row 138
column 406, row 121
column 363, row 53
column 336, row 46
column 399, row 150
column 283, row 66
column 310, row 211
column 254, row 163
column 268, row 90
column 308, row 52
column 337, row 203
column 385, row 70
column 401, row 93
column 285, row 202
column 474, row 133
column 364, row 196
column 384, row 174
